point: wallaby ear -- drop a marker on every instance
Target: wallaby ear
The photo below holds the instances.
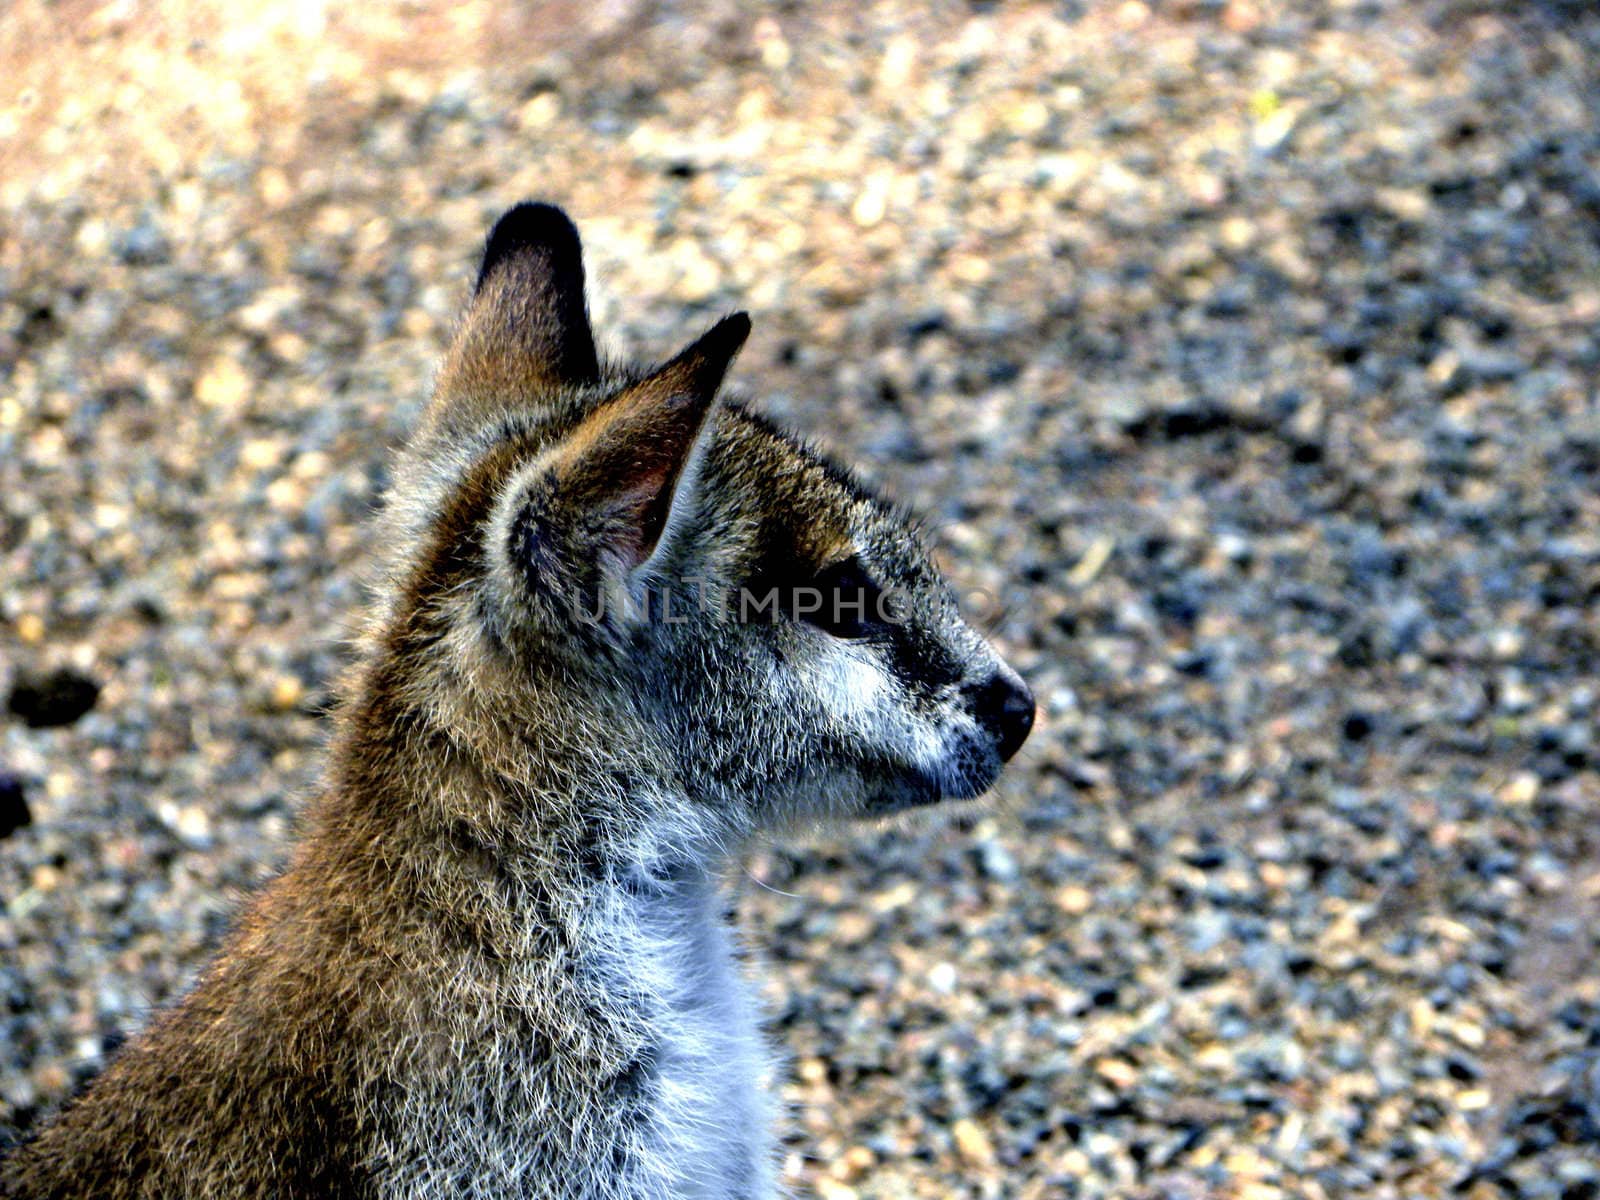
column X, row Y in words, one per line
column 621, row 466
column 531, row 280
column 526, row 327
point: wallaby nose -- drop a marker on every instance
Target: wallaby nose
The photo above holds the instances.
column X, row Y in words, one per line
column 1004, row 706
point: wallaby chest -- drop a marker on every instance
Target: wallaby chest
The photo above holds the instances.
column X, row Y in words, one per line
column 678, row 1107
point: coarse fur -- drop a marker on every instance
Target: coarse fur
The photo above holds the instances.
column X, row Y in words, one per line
column 497, row 964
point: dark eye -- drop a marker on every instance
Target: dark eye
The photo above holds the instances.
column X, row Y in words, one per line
column 849, row 602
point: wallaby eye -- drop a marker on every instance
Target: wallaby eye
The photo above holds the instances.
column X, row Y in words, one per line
column 850, row 603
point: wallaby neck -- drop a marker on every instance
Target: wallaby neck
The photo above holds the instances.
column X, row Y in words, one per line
column 555, row 951
column 429, row 810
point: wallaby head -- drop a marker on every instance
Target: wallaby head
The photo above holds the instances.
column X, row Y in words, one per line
column 700, row 590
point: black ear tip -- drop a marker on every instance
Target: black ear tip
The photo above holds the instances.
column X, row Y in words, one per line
column 702, row 364
column 727, row 336
column 530, row 226
column 737, row 326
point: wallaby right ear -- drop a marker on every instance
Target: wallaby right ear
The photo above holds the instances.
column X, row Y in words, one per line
column 593, row 511
column 619, row 469
column 526, row 329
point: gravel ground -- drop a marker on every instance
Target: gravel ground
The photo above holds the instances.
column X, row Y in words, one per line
column 1247, row 348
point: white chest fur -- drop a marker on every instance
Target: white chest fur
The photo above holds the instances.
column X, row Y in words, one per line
column 695, row 1122
column 711, row 1119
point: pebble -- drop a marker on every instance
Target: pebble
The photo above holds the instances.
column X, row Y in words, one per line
column 972, row 1142
column 56, row 698
column 14, row 810
column 1074, row 900
column 224, row 385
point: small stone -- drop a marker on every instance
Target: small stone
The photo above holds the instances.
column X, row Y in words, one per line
column 1094, row 558
column 193, row 824
column 145, row 244
column 1409, row 204
column 997, row 862
column 1238, row 232
column 94, row 237
column 275, row 187
column 1240, row 16
column 973, row 1142
column 872, row 202
column 775, row 52
column 540, row 112
column 900, row 895
column 287, row 691
column 1506, row 643
column 853, row 927
column 260, row 454
column 1474, row 1099
column 1521, row 791
column 1246, row 1162
column 286, row 494
column 189, row 821
column 698, row 276
column 898, row 61
column 224, row 385
column 1118, row 1072
column 942, row 978
column 14, row 811
column 1074, row 900
column 52, row 1079
column 1272, row 131
column 855, row 1163
column 53, row 700
column 1132, row 13
column 1423, row 1017
column 30, row 628
column 1029, row 117
column 1289, row 1134
column 1075, row 1163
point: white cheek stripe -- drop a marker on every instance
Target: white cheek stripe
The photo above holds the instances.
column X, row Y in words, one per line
column 857, row 693
column 852, row 688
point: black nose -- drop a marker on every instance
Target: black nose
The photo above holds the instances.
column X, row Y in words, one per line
column 1004, row 706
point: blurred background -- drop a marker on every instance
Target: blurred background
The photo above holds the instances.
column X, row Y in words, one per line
column 1248, row 347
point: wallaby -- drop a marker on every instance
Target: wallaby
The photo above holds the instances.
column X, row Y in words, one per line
column 622, row 628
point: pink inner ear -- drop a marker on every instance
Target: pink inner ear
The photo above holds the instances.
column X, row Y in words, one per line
column 642, row 509
column 624, row 461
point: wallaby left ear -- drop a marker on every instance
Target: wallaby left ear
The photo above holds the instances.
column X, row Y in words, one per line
column 530, row 290
column 525, row 335
column 621, row 466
